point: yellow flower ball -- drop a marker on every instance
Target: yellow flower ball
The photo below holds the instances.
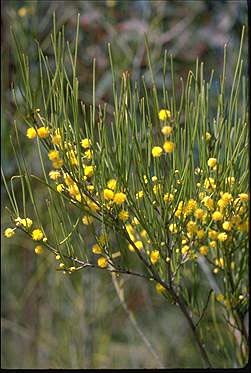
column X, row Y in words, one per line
column 164, row 114
column 213, row 244
column 56, row 139
column 89, row 171
column 112, row 184
column 199, row 214
column 43, row 132
column 212, row 162
column 185, row 249
column 123, row 215
column 102, row 262
column 203, row 250
column 243, row 197
column 166, row 130
column 140, row 194
column 222, row 237
column 157, row 151
column 227, row 225
column 39, row 250
column 119, row 198
column 108, row 194
column 201, row 233
column 85, row 143
column 58, row 163
column 54, row 175
column 168, row 146
column 53, row 155
column 37, row 234
column 96, row 249
column 217, row 216
column 154, row 256
column 60, row 188
column 9, row 232
column 31, row 133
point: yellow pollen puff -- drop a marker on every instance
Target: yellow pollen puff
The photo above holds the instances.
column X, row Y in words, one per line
column 212, row 234
column 243, row 197
column 54, row 175
column 217, row 216
column 87, row 220
column 213, row 244
column 212, row 162
column 154, row 256
column 168, row 146
column 31, row 133
column 201, row 233
column 119, row 198
column 89, row 154
column 164, row 114
column 227, row 197
column 166, row 130
column 140, row 194
column 191, row 226
column 61, row 265
column 184, row 249
column 208, row 202
column 9, row 232
column 58, row 163
column 159, row 288
column 203, row 250
column 57, row 257
column 60, row 188
column 199, row 213
column 154, row 179
column 157, row 151
column 72, row 269
column 227, row 225
column 222, row 237
column 112, row 184
column 39, row 250
column 37, row 234
column 123, row 215
column 43, row 132
column 89, row 171
column 96, row 249
column 102, row 262
column 86, row 143
column 56, row 139
column 53, row 155
column 108, row 194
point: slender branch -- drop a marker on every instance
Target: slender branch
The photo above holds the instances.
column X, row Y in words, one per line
column 133, row 320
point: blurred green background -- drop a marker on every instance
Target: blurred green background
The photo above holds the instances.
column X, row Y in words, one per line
column 54, row 321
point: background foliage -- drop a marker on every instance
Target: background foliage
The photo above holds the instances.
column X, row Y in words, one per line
column 51, row 321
